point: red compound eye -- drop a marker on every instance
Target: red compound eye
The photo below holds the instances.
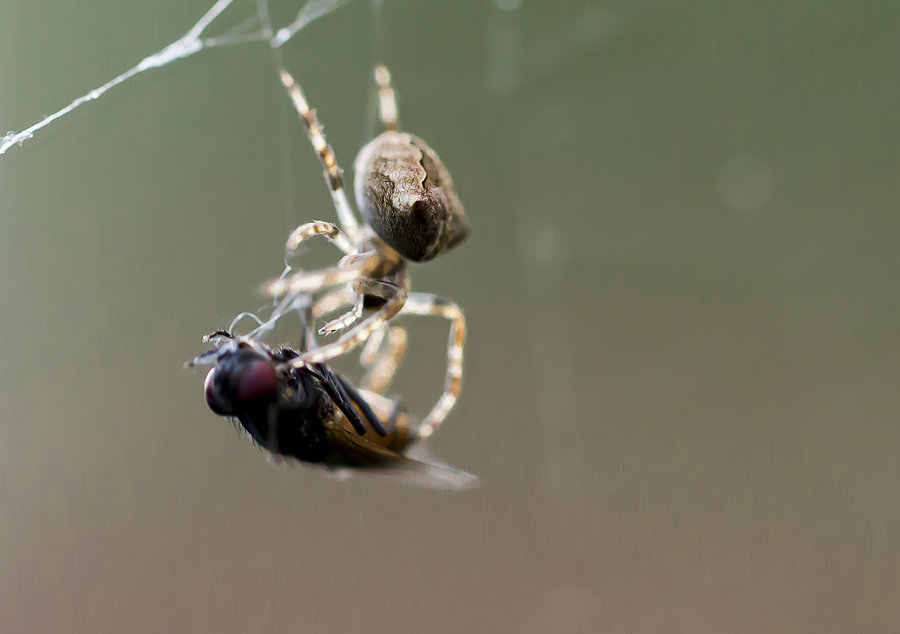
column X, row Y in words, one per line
column 239, row 380
column 258, row 380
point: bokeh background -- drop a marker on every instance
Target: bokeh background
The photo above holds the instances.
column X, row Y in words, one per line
column 681, row 387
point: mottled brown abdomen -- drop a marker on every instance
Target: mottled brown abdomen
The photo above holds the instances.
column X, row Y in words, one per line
column 407, row 196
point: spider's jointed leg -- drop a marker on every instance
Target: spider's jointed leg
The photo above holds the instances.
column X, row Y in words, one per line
column 351, row 268
column 319, row 228
column 333, row 172
column 426, row 304
column 332, row 301
column 386, row 361
column 346, row 320
column 387, row 100
column 395, row 297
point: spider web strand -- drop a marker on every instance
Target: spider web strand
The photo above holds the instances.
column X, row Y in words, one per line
column 185, row 46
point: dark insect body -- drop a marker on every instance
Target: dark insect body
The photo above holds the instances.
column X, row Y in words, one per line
column 316, row 416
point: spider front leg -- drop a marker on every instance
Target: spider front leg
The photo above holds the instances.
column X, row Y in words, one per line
column 362, row 287
column 333, row 173
column 394, row 294
column 319, row 228
column 332, row 301
column 350, row 268
column 346, row 320
column 426, row 304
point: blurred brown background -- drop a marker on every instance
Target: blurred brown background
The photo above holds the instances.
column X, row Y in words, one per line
column 681, row 381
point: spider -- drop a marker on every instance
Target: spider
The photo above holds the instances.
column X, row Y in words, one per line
column 412, row 213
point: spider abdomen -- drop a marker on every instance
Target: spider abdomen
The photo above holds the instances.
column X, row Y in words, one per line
column 407, row 196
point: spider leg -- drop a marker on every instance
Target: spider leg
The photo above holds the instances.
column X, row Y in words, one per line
column 333, row 173
column 387, row 100
column 331, row 301
column 362, row 287
column 426, row 304
column 372, row 347
column 350, row 268
column 383, row 366
column 319, row 228
column 345, row 320
column 395, row 295
column 307, row 336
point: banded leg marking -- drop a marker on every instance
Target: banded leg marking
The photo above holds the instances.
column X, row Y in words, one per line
column 319, row 228
column 333, row 172
column 425, row 304
column 387, row 100
column 361, row 331
column 384, row 366
column 350, row 268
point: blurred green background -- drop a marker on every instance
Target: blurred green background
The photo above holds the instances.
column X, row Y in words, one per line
column 681, row 388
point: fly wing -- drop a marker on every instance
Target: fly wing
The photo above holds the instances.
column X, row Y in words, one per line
column 425, row 471
column 416, row 467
